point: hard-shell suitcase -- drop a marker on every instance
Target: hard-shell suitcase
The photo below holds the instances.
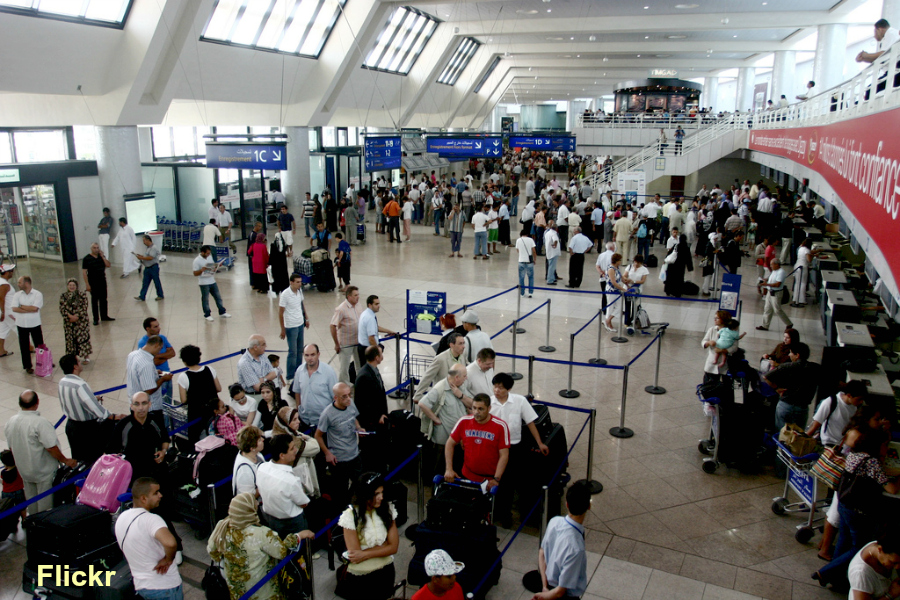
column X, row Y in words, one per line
column 361, row 233
column 323, row 276
column 71, row 534
column 405, row 435
column 109, row 477
column 121, row 585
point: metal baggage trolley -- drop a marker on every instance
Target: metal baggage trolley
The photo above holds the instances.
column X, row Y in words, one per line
column 224, row 251
column 468, row 484
column 710, row 445
column 804, row 485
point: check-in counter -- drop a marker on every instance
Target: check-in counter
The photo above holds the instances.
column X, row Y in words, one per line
column 853, row 334
column 839, row 307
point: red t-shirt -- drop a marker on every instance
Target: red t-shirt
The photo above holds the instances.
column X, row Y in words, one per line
column 455, row 593
column 482, row 445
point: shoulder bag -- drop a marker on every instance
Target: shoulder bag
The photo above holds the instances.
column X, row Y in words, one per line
column 830, row 466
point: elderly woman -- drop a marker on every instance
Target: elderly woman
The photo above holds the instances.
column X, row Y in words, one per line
column 73, row 306
column 288, row 421
column 711, row 367
column 248, row 550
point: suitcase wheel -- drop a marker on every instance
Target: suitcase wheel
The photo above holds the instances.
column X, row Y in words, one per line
column 710, row 466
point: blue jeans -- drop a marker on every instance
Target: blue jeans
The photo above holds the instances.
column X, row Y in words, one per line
column 644, row 246
column 551, row 269
column 514, row 209
column 170, row 594
column 526, row 269
column 856, row 530
column 294, row 338
column 481, row 243
column 664, row 230
column 455, row 241
column 310, row 224
column 205, row 291
column 438, row 215
column 151, row 273
column 788, row 413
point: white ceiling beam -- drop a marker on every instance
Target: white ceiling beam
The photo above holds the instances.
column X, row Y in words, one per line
column 642, row 47
column 492, row 100
column 479, row 65
column 428, row 68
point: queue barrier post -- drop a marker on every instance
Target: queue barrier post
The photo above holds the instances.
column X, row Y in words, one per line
column 657, row 389
column 621, row 431
column 412, row 395
column 308, row 557
column 518, row 310
column 398, row 394
column 597, row 360
column 569, row 392
column 413, row 529
column 515, row 329
column 619, row 338
column 595, row 486
column 530, row 375
column 547, row 347
column 545, row 512
column 211, row 491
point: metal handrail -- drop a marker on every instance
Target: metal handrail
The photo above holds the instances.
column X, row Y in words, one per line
column 644, row 121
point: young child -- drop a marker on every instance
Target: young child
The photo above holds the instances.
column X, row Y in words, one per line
column 224, row 423
column 342, row 261
column 727, row 337
column 279, row 378
column 13, row 486
column 442, row 570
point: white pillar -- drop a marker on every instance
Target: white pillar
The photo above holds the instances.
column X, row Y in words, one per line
column 295, row 181
column 745, row 85
column 890, row 10
column 710, row 95
column 119, row 166
column 831, row 46
column 783, row 75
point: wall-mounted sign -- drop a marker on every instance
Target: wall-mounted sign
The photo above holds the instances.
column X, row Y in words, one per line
column 465, row 146
column 558, row 143
column 383, row 153
column 270, row 157
column 9, row 175
column 663, row 73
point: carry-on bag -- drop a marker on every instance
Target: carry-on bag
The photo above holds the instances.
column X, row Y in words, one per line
column 109, row 477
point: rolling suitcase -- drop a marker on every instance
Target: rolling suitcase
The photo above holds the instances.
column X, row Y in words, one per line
column 109, row 477
column 405, row 435
column 458, row 506
column 361, row 233
column 323, row 276
column 543, row 425
column 71, row 534
column 67, row 494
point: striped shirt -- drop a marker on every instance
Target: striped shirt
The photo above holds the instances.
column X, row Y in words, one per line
column 78, row 401
column 251, row 370
column 346, row 320
column 141, row 376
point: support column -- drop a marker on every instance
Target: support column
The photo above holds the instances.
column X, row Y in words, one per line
column 831, row 46
column 119, row 166
column 710, row 96
column 295, row 181
column 890, row 10
column 783, row 75
column 745, row 84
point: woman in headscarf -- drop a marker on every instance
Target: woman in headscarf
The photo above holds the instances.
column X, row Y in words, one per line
column 73, row 306
column 259, row 260
column 288, row 421
column 278, row 262
column 251, row 239
column 675, row 272
column 247, row 550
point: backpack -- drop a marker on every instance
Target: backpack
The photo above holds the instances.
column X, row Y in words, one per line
column 641, row 318
column 642, row 231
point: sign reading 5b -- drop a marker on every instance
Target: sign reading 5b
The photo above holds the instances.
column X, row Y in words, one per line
column 269, row 157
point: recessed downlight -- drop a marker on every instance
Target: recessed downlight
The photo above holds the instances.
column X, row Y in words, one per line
column 687, row 6
column 523, row 11
column 676, row 37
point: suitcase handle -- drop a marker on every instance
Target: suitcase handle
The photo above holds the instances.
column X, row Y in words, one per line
column 461, row 482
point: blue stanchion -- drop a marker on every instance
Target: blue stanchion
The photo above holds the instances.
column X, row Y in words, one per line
column 563, row 406
column 502, row 331
column 60, row 422
column 641, row 353
column 515, row 287
column 583, row 327
column 562, row 362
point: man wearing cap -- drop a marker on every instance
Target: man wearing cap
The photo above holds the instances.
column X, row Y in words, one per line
column 562, row 559
column 442, row 569
column 475, row 339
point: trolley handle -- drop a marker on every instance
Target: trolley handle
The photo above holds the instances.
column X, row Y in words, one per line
column 807, row 458
column 461, row 482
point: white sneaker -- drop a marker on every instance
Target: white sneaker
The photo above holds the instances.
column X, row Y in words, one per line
column 225, row 316
column 209, row 318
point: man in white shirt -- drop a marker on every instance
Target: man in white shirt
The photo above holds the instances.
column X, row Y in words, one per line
column 475, row 338
column 603, row 263
column 282, row 494
column 774, row 289
column 480, row 222
column 292, row 317
column 204, row 269
column 213, row 210
column 210, row 233
column 527, row 255
column 552, row 250
column 703, row 193
column 148, row 545
column 27, row 304
column 562, row 222
column 224, row 221
column 368, row 324
column 578, row 246
column 481, row 373
column 529, row 189
column 886, row 36
column 635, row 276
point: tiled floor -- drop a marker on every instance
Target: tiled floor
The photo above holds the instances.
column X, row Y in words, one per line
column 661, row 528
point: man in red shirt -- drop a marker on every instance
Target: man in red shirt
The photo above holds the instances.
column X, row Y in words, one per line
column 485, row 442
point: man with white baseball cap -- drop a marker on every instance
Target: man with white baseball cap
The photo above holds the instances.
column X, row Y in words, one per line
column 442, row 570
column 476, row 339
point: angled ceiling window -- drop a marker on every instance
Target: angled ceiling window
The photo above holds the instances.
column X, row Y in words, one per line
column 459, row 61
column 487, row 73
column 299, row 27
column 105, row 13
column 401, row 41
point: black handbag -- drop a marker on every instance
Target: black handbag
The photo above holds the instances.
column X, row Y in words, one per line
column 214, row 584
column 859, row 492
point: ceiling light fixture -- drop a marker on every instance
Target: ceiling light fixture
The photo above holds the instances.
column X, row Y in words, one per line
column 549, row 10
column 686, row 6
column 646, row 8
column 638, row 55
column 523, row 11
column 605, row 59
column 592, row 38
column 676, row 37
column 646, row 37
column 725, row 21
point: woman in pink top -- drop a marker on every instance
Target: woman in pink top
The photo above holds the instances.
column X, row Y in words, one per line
column 259, row 260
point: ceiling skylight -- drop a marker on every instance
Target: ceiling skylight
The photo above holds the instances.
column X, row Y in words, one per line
column 401, row 41
column 459, row 61
column 109, row 13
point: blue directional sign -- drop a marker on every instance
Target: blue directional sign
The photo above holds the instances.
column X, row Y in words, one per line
column 383, row 153
column 269, row 157
column 474, row 147
column 556, row 143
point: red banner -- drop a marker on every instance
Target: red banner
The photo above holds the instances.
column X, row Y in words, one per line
column 860, row 160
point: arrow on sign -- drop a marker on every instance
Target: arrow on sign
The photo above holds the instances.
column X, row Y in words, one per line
column 277, row 154
column 478, row 145
column 496, row 142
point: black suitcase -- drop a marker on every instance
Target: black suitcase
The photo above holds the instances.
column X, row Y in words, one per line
column 215, row 466
column 71, row 534
column 67, row 494
column 121, row 585
column 476, row 548
column 689, row 288
column 323, row 276
column 457, row 507
column 405, row 436
column 651, row 261
column 543, row 424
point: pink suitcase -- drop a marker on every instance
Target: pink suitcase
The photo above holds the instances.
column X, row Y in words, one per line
column 109, row 477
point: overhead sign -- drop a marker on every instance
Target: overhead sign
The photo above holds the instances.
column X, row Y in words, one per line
column 663, row 73
column 556, row 143
column 474, row 147
column 269, row 157
column 383, row 153
column 9, row 175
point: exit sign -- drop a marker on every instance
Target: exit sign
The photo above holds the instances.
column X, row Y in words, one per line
column 663, row 73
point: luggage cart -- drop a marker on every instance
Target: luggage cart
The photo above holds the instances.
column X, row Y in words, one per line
column 224, row 251
column 176, row 415
column 414, row 368
column 802, row 482
column 710, row 445
column 469, row 485
column 303, row 266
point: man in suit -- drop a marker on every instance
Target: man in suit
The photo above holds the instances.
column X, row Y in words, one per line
column 369, row 394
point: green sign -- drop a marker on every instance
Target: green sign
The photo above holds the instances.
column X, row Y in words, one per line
column 9, row 176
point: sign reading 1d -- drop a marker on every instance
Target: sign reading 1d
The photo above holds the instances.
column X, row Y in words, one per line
column 268, row 157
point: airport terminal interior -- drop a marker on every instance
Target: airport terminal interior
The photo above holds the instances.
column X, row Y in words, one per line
column 155, row 108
